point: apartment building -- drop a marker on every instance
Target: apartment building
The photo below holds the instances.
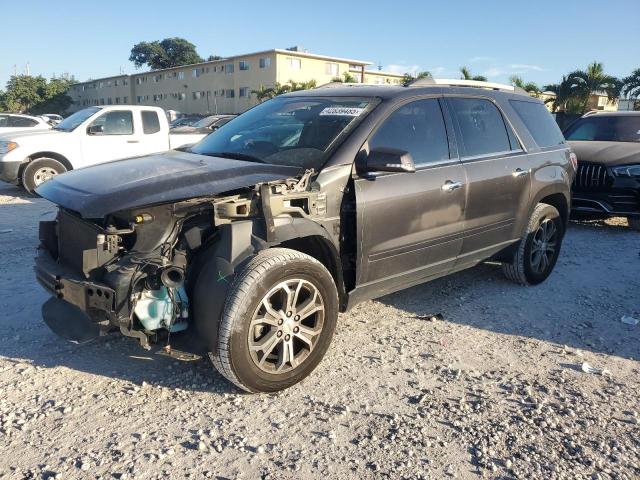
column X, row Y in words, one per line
column 222, row 86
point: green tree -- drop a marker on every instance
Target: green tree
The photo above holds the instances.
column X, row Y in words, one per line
column 348, row 78
column 263, row 93
column 408, row 78
column 631, row 84
column 25, row 93
column 564, row 93
column 466, row 75
column 528, row 87
column 170, row 52
column 593, row 80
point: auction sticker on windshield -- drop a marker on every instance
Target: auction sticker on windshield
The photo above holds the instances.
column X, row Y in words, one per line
column 342, row 111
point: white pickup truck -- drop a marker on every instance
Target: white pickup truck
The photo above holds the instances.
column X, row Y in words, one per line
column 88, row 137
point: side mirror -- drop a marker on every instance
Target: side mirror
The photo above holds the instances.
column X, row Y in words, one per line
column 389, row 160
column 96, row 130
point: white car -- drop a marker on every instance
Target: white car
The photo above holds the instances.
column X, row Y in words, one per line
column 88, row 137
column 14, row 122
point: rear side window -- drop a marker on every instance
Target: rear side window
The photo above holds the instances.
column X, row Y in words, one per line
column 150, row 122
column 539, row 122
column 417, row 128
column 21, row 122
column 481, row 125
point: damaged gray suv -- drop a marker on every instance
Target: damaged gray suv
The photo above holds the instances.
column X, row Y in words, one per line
column 247, row 246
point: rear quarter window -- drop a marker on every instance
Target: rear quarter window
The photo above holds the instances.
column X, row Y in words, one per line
column 150, row 122
column 539, row 122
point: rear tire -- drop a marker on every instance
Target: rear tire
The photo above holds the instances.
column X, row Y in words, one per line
column 278, row 321
column 634, row 223
column 39, row 171
column 537, row 252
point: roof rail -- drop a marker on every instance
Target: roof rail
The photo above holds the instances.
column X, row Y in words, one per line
column 351, row 84
column 433, row 82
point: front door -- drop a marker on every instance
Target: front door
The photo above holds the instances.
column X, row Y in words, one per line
column 498, row 175
column 111, row 136
column 410, row 225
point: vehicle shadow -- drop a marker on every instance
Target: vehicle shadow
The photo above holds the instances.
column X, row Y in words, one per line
column 11, row 193
column 579, row 306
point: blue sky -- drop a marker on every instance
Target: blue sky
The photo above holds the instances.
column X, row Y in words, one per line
column 538, row 40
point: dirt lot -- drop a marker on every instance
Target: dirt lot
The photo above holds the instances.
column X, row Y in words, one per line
column 494, row 389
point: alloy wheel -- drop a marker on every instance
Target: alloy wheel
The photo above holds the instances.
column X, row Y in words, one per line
column 286, row 326
column 544, row 246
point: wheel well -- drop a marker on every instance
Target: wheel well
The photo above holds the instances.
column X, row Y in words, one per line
column 319, row 248
column 56, row 156
column 558, row 201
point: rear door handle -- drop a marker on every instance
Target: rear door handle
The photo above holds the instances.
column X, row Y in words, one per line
column 518, row 172
column 133, row 141
column 450, row 186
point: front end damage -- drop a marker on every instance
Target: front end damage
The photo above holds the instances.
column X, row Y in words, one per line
column 136, row 271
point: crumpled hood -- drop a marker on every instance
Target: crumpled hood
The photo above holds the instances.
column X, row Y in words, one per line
column 607, row 153
column 110, row 187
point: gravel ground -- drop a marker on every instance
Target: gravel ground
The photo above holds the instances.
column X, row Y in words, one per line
column 493, row 388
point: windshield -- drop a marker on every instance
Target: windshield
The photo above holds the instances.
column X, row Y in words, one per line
column 606, row 129
column 294, row 131
column 205, row 122
column 72, row 122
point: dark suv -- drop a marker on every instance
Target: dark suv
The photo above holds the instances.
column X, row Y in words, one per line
column 248, row 245
column 607, row 183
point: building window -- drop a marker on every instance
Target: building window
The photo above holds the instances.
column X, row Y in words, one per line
column 117, row 100
column 109, row 101
column 228, row 68
column 138, row 81
column 101, row 84
column 182, row 96
column 196, row 95
column 116, row 83
column 230, row 93
column 157, row 78
column 125, row 99
column 294, row 63
column 180, row 75
column 265, row 62
column 243, row 65
column 195, row 72
column 331, row 69
column 125, row 81
column 139, row 98
column 243, row 92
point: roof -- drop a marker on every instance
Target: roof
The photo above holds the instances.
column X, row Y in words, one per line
column 234, row 57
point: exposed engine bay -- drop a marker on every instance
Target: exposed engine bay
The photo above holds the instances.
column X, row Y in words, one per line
column 135, row 270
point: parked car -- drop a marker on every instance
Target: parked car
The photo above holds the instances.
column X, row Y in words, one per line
column 52, row 118
column 248, row 245
column 13, row 122
column 607, row 184
column 185, row 121
column 88, row 137
column 194, row 133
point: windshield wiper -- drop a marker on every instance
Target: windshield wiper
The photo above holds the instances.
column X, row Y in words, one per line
column 235, row 156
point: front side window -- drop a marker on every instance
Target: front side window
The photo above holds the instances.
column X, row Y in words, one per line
column 417, row 128
column 605, row 128
column 117, row 122
column 481, row 125
column 539, row 122
column 150, row 122
column 295, row 131
column 21, row 122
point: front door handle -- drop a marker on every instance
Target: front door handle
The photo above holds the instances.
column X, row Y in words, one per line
column 450, row 186
column 518, row 172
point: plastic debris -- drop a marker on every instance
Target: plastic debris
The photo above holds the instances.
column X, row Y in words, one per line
column 629, row 320
column 586, row 368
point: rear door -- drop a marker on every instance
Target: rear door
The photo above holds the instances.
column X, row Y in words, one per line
column 410, row 224
column 154, row 134
column 498, row 176
column 111, row 136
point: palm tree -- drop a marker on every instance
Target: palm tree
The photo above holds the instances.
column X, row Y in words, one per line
column 279, row 89
column 466, row 75
column 631, row 84
column 594, row 80
column 563, row 94
column 263, row 93
column 528, row 87
column 409, row 78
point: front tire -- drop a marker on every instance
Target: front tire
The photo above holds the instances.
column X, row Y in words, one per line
column 537, row 252
column 277, row 322
column 39, row 171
